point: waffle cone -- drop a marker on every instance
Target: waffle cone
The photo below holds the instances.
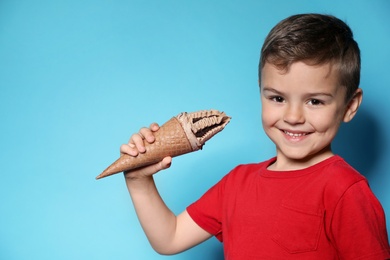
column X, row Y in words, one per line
column 170, row 140
column 187, row 132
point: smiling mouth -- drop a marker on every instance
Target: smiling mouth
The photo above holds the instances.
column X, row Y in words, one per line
column 294, row 135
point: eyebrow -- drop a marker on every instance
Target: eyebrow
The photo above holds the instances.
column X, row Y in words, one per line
column 309, row 94
column 272, row 90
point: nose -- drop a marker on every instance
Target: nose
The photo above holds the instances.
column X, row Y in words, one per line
column 294, row 114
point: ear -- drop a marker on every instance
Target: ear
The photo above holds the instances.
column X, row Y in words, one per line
column 353, row 105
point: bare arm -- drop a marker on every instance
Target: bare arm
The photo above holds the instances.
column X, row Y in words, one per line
column 167, row 233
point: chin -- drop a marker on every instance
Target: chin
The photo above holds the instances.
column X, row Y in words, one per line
column 298, row 156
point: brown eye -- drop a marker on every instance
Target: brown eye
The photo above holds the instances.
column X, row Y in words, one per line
column 278, row 99
column 315, row 102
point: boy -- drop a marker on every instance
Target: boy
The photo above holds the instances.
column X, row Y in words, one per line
column 306, row 203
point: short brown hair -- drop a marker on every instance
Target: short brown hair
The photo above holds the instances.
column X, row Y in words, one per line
column 315, row 39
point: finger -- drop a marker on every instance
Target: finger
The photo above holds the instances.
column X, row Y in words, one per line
column 162, row 165
column 137, row 142
column 129, row 149
column 166, row 163
column 154, row 168
column 149, row 170
column 154, row 127
column 147, row 134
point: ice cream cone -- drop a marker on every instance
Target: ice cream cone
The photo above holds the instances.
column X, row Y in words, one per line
column 182, row 134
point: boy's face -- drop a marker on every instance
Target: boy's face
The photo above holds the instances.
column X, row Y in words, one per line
column 302, row 110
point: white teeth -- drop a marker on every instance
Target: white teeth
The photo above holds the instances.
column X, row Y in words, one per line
column 294, row 135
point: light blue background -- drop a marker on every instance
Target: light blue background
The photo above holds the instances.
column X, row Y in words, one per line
column 77, row 78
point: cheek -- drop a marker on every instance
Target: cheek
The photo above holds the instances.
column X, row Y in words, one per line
column 325, row 121
column 268, row 115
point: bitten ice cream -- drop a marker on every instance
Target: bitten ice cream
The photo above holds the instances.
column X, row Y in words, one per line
column 184, row 133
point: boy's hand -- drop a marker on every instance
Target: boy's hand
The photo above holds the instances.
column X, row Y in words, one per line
column 136, row 146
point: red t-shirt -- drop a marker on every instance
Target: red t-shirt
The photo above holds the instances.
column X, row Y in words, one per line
column 326, row 211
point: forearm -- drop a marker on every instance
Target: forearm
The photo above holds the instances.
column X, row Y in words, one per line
column 157, row 220
column 167, row 233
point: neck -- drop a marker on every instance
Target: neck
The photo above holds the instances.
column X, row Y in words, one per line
column 287, row 164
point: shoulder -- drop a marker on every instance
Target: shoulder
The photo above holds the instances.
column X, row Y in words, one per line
column 342, row 175
column 248, row 170
column 243, row 174
column 344, row 184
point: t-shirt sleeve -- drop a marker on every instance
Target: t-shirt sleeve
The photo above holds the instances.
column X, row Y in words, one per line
column 363, row 234
column 207, row 211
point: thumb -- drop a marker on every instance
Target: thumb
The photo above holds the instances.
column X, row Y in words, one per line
column 164, row 164
column 149, row 170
